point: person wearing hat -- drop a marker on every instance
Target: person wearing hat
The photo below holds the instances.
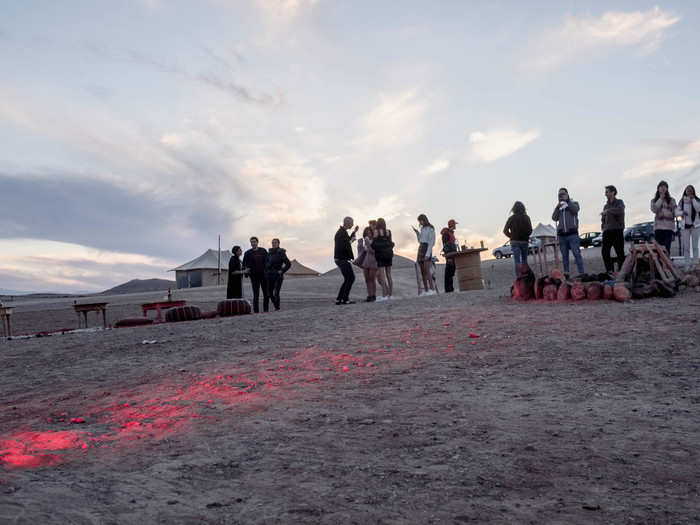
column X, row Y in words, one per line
column 449, row 244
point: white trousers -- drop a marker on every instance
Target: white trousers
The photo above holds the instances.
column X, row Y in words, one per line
column 689, row 240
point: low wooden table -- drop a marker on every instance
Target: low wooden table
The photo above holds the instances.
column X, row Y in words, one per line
column 91, row 307
column 162, row 305
column 6, row 313
column 468, row 264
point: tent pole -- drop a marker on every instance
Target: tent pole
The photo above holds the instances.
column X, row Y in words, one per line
column 218, row 272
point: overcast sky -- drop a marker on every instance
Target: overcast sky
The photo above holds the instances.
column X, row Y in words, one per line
column 132, row 133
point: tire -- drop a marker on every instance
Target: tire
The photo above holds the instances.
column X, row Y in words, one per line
column 231, row 307
column 498, row 255
column 183, row 313
column 133, row 321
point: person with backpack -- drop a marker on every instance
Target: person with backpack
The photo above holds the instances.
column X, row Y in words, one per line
column 689, row 211
column 383, row 248
column 566, row 216
column 613, row 226
column 518, row 229
column 254, row 262
column 277, row 265
column 663, row 206
column 449, row 245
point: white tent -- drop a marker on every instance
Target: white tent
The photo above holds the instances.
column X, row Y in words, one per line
column 204, row 270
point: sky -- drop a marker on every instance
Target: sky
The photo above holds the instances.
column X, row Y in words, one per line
column 133, row 133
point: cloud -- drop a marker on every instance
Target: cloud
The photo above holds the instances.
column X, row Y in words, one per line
column 492, row 145
column 396, row 121
column 436, row 167
column 580, row 35
column 283, row 11
column 684, row 158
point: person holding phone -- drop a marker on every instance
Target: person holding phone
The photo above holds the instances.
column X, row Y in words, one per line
column 426, row 241
column 342, row 255
column 689, row 211
column 566, row 215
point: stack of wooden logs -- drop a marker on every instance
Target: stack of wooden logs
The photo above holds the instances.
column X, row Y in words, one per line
column 646, row 272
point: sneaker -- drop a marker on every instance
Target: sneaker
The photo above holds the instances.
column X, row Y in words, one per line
column 348, row 302
column 381, row 298
column 431, row 292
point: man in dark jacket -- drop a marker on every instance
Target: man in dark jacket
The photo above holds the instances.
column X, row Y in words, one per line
column 277, row 265
column 254, row 260
column 566, row 215
column 343, row 255
column 613, row 226
column 449, row 245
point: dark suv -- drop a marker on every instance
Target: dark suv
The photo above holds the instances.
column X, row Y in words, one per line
column 587, row 239
column 642, row 232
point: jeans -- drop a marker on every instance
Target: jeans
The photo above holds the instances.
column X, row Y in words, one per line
column 570, row 242
column 348, row 279
column 274, row 285
column 450, row 268
column 520, row 249
column 664, row 238
column 257, row 282
column 689, row 239
column 614, row 238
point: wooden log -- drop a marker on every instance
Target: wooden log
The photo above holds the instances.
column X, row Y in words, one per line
column 628, row 265
column 621, row 292
column 564, row 292
column 578, row 291
column 594, row 291
column 669, row 264
column 550, row 292
column 665, row 276
column 608, row 292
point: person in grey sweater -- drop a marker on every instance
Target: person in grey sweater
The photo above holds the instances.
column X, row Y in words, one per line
column 663, row 206
column 566, row 216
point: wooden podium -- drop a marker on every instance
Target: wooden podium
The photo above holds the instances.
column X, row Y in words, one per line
column 468, row 264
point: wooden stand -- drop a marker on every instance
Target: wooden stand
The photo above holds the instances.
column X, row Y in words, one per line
column 91, row 307
column 6, row 314
column 162, row 305
column 468, row 264
column 541, row 265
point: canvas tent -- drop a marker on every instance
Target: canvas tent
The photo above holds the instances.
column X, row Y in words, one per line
column 203, row 270
column 545, row 233
column 299, row 270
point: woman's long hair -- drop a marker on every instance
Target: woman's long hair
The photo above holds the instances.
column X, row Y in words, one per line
column 425, row 220
column 518, row 208
column 667, row 197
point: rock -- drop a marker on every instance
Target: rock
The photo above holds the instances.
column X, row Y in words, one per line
column 549, row 292
column 564, row 292
column 594, row 291
column 621, row 292
column 608, row 292
column 578, row 291
column 539, row 288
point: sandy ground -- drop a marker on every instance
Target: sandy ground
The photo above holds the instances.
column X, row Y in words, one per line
column 370, row 413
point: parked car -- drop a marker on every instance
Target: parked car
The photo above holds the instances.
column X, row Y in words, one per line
column 587, row 239
column 642, row 232
column 597, row 241
column 507, row 250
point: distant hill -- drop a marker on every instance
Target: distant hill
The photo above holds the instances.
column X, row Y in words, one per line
column 141, row 285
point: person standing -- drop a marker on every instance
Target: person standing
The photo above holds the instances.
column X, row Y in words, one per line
column 369, row 263
column 277, row 265
column 426, row 241
column 518, row 229
column 384, row 252
column 689, row 211
column 449, row 245
column 254, row 261
column 342, row 254
column 613, row 226
column 663, row 206
column 234, row 286
column 566, row 216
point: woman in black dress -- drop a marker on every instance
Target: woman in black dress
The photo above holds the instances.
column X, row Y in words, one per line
column 234, row 290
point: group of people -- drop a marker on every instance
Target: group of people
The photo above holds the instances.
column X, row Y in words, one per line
column 375, row 254
column 518, row 227
column 264, row 268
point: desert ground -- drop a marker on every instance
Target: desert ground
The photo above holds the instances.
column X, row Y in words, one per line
column 455, row 408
